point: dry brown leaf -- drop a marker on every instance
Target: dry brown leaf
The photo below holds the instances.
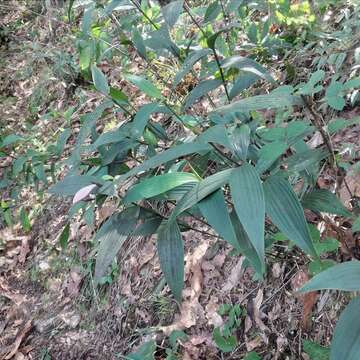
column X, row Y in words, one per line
column 253, row 344
column 256, row 310
column 73, row 285
column 24, row 249
column 191, row 310
column 307, row 300
column 235, row 276
column 350, row 187
column 19, row 338
column 211, row 312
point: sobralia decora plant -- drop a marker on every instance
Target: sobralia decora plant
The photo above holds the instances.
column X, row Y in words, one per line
column 224, row 167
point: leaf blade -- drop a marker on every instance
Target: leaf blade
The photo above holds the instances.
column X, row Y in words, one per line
column 171, row 254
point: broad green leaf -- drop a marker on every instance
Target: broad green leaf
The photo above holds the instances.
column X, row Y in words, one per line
column 200, row 90
column 158, row 185
column 344, row 276
column 72, row 184
column 216, row 213
column 118, row 96
column 139, row 43
column 144, row 85
column 311, row 87
column 268, row 154
column 249, row 203
column 247, row 65
column 189, row 62
column 171, row 254
column 225, row 344
column 10, row 139
column 242, row 82
column 240, row 140
column 285, row 211
column 142, row 117
column 160, row 40
column 100, row 80
column 322, row 200
column 252, row 356
column 326, row 245
column 212, row 12
column 352, row 83
column 111, row 237
column 172, row 11
column 305, row 159
column 338, row 124
column 145, row 352
column 333, row 95
column 270, row 101
column 64, row 236
column 345, row 344
column 216, row 134
column 200, row 191
column 316, row 351
column 164, row 157
column 317, row 266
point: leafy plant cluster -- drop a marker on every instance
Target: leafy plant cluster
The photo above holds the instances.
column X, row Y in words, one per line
column 227, row 167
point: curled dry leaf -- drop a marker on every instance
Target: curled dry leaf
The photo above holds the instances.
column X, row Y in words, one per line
column 84, row 193
column 24, row 249
column 235, row 276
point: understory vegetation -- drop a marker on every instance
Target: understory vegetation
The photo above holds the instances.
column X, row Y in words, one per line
column 180, row 179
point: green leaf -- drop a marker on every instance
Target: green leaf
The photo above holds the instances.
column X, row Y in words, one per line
column 242, row 82
column 64, row 236
column 247, row 65
column 164, row 157
column 142, row 117
column 268, row 154
column 200, row 90
column 172, row 11
column 144, row 85
column 310, row 88
column 139, row 43
column 158, row 185
column 333, row 95
column 171, row 254
column 259, row 102
column 71, row 3
column 216, row 134
column 317, row 266
column 245, row 246
column 322, row 200
column 212, row 12
column 25, row 221
column 252, row 356
column 111, row 237
column 225, row 344
column 316, row 351
column 72, row 184
column 145, row 352
column 285, row 211
column 345, row 343
column 189, row 62
column 249, row 202
column 327, row 245
column 10, row 139
column 118, row 96
column 216, row 213
column 344, row 276
column 356, row 225
column 200, row 191
column 100, row 80
column 240, row 140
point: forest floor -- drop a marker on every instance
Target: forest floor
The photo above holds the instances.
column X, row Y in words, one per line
column 49, row 308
